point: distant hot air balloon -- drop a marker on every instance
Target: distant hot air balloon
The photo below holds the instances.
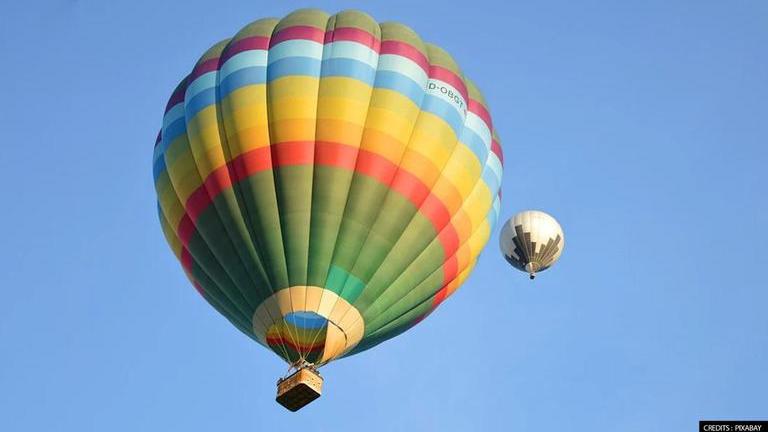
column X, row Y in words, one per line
column 532, row 241
column 326, row 182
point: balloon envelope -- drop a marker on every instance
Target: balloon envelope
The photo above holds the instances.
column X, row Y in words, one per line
column 326, row 181
column 532, row 241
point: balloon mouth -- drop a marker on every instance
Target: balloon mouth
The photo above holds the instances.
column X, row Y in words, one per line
column 531, row 268
column 308, row 323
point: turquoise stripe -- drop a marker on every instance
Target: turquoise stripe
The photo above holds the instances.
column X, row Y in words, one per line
column 200, row 84
column 295, row 48
column 245, row 59
column 404, row 66
column 352, row 51
column 493, row 215
column 494, row 164
column 174, row 113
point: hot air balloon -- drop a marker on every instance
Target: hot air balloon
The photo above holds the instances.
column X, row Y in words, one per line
column 326, row 182
column 532, row 241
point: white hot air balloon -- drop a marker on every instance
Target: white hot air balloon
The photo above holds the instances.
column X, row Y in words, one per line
column 532, row 241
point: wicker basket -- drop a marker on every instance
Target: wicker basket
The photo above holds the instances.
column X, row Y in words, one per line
column 299, row 389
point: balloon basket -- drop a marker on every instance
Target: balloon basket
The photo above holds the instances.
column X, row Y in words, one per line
column 299, row 389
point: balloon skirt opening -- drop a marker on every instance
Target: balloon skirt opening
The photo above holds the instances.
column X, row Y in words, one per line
column 299, row 389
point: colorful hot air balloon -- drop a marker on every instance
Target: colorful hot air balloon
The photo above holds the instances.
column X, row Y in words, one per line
column 532, row 241
column 326, row 181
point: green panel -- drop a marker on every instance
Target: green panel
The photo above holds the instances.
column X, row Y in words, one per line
column 226, row 278
column 260, row 205
column 393, row 329
column 294, row 197
column 403, row 267
column 393, row 218
column 382, row 311
column 233, row 250
column 329, row 197
column 235, row 313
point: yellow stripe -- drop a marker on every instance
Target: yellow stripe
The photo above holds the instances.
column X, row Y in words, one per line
column 203, row 131
column 184, row 175
column 171, row 237
column 339, row 131
column 245, row 119
column 169, row 201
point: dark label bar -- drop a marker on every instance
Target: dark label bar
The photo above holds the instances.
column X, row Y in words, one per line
column 733, row 426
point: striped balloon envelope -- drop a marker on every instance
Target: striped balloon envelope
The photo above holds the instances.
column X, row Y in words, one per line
column 326, row 181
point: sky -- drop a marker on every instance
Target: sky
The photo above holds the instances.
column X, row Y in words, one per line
column 641, row 125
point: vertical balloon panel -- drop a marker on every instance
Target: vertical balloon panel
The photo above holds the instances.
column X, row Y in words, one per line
column 293, row 75
column 350, row 57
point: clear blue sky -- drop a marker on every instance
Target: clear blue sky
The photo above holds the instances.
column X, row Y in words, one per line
column 641, row 125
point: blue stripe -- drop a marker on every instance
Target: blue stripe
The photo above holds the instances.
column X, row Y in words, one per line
column 233, row 81
column 476, row 144
column 490, row 179
column 173, row 131
column 305, row 66
column 306, row 320
column 349, row 68
column 445, row 111
column 493, row 214
column 241, row 78
column 158, row 167
column 201, row 100
column 401, row 84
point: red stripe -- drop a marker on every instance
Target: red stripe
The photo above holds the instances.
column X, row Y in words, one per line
column 405, row 50
column 496, row 149
column 186, row 259
column 253, row 161
column 245, row 44
column 479, row 110
column 435, row 211
column 186, row 230
column 410, row 186
column 450, row 241
column 373, row 165
column 214, row 185
column 297, row 32
column 293, row 153
column 335, row 154
column 441, row 295
column 209, row 65
column 199, row 288
column 178, row 95
column 352, row 34
column 445, row 75
column 450, row 270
